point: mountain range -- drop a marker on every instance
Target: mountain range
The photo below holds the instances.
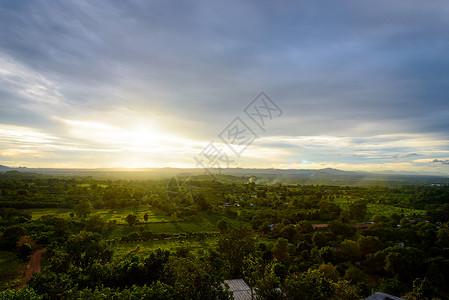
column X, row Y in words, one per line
column 266, row 176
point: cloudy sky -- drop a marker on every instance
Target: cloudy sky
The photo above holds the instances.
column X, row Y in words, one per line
column 360, row 85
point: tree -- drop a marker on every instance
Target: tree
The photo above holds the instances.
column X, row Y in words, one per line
column 309, row 285
column 443, row 237
column 222, row 225
column 354, row 275
column 369, row 244
column 95, row 224
column 83, row 209
column 349, row 251
column 267, row 284
column 131, row 219
column 358, row 209
column 26, row 239
column 345, row 215
column 195, row 279
column 11, row 236
column 392, row 286
column 236, row 245
column 280, row 249
column 329, row 271
column 251, row 271
column 289, row 232
column 339, row 228
column 85, row 248
column 320, row 239
column 24, row 251
column 26, row 293
column 403, row 261
column 304, row 227
column 379, row 219
column 422, row 289
column 315, row 285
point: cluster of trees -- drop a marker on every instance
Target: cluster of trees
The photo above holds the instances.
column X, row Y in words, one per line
column 85, row 269
column 281, row 255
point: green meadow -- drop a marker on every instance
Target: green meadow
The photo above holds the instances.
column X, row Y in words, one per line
column 145, row 248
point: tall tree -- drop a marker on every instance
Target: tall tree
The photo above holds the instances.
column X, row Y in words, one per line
column 237, row 244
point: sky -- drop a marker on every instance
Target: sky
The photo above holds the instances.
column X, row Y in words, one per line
column 354, row 85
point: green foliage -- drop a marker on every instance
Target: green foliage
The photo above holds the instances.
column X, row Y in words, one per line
column 236, row 245
column 403, row 261
column 304, row 227
column 422, row 290
column 280, row 249
column 329, row 271
column 81, row 265
column 155, row 291
column 268, row 283
column 26, row 293
column 369, row 244
column 392, row 286
column 195, row 280
column 358, row 209
column 52, row 285
column 339, row 228
column 222, row 225
column 96, row 224
column 83, row 209
column 138, row 270
column 314, row 285
column 24, row 251
column 85, row 248
column 320, row 239
column 9, row 270
column 443, row 236
column 350, row 251
column 354, row 275
column 131, row 219
column 11, row 236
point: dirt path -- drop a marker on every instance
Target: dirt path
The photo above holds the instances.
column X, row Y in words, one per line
column 34, row 266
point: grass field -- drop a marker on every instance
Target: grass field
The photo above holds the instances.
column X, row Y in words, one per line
column 388, row 210
column 173, row 244
column 88, row 185
column 10, row 270
column 381, row 209
column 36, row 213
column 202, row 222
column 107, row 214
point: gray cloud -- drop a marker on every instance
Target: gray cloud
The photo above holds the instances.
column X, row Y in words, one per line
column 440, row 161
column 352, row 68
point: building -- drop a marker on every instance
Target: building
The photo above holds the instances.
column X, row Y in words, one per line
column 239, row 289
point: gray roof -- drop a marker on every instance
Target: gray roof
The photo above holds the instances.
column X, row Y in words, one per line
column 382, row 296
column 240, row 289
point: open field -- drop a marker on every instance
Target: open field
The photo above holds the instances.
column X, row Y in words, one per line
column 118, row 215
column 388, row 210
column 381, row 209
column 146, row 247
column 202, row 222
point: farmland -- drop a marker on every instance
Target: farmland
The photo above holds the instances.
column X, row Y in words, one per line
column 124, row 225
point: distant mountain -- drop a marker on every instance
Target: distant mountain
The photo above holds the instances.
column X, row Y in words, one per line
column 4, row 168
column 271, row 176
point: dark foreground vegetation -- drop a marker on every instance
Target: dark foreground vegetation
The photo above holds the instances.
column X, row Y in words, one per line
column 181, row 238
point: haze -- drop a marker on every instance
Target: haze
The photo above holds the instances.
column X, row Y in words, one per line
column 362, row 85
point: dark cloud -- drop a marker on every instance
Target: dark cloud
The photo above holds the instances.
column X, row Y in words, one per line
column 440, row 161
column 349, row 68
